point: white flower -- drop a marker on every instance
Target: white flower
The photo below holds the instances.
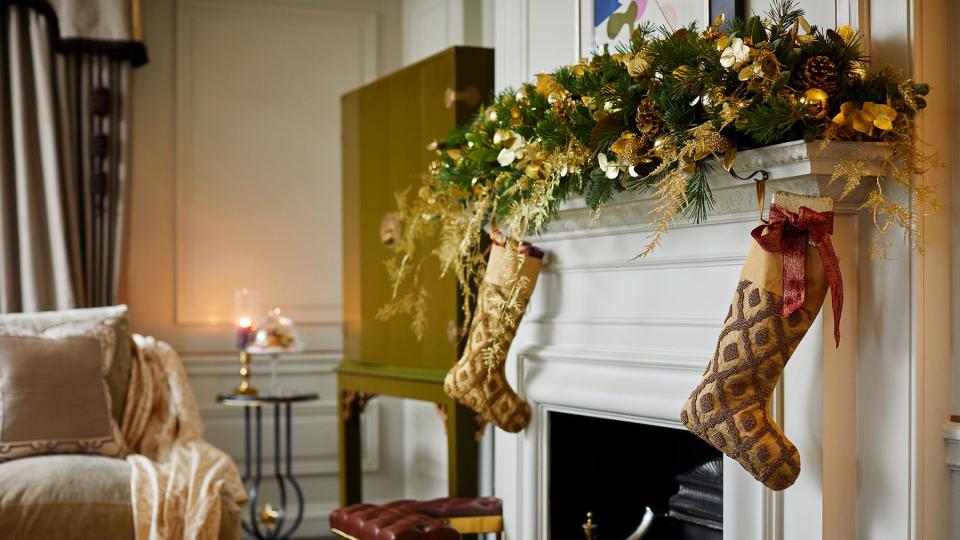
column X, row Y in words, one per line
column 514, row 152
column 609, row 168
column 737, row 53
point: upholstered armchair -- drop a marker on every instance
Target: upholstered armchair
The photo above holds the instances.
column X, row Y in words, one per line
column 62, row 410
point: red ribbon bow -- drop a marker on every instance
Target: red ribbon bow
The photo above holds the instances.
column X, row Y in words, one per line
column 789, row 232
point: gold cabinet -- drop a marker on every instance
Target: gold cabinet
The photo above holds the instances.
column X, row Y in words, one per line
column 386, row 128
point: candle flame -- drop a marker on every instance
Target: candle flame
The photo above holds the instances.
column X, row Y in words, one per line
column 245, row 322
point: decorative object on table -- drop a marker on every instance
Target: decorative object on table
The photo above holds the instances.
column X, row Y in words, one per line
column 382, row 357
column 656, row 117
column 439, row 519
column 268, row 521
column 478, row 379
column 612, row 22
column 782, row 287
column 274, row 335
column 246, row 304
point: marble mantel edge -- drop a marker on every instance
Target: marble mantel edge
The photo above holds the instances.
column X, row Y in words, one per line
column 798, row 166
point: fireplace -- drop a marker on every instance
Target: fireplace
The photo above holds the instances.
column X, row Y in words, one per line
column 607, row 337
column 615, row 469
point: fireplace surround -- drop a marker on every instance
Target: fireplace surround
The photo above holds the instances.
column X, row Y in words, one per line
column 627, row 339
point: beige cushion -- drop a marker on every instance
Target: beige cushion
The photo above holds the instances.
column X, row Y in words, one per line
column 113, row 318
column 76, row 498
column 68, row 497
column 53, row 397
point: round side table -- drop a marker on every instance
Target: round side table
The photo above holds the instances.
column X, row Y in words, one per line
column 268, row 523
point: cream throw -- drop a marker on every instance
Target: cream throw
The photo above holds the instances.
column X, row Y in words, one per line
column 177, row 478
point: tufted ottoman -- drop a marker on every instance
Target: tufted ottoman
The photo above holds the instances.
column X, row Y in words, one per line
column 439, row 519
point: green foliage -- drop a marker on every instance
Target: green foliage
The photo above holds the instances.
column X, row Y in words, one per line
column 679, row 81
column 773, row 121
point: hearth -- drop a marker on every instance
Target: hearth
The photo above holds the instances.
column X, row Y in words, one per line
column 616, row 469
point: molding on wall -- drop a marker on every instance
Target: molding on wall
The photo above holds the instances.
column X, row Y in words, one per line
column 691, row 320
column 621, row 265
column 615, row 357
column 218, row 364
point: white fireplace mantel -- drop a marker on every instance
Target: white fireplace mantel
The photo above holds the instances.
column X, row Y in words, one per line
column 616, row 337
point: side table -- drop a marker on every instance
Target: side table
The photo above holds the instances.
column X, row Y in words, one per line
column 268, row 523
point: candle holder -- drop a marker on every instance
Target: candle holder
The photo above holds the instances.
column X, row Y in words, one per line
column 245, row 388
column 246, row 304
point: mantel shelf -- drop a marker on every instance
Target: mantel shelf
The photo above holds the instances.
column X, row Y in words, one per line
column 798, row 166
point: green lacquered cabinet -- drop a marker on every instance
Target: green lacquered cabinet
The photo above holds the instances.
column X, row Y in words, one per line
column 386, row 127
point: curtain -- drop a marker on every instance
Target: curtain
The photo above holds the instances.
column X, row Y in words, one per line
column 64, row 166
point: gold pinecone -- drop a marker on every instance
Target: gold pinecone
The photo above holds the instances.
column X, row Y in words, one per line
column 649, row 119
column 817, row 72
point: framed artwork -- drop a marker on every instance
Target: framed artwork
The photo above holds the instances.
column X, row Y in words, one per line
column 608, row 22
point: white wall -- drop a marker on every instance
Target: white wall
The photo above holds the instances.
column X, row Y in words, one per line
column 430, row 26
column 237, row 184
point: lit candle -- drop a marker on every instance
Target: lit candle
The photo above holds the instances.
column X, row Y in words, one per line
column 246, row 304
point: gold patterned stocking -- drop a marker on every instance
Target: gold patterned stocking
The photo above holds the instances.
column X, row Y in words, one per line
column 730, row 408
column 478, row 379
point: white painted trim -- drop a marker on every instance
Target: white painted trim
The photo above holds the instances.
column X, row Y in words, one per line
column 693, row 320
column 511, row 46
column 615, row 357
column 929, row 30
column 227, row 363
column 653, row 262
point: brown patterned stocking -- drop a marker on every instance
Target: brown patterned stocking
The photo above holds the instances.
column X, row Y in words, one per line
column 730, row 408
column 478, row 379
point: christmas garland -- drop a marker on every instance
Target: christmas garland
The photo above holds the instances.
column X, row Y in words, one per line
column 657, row 115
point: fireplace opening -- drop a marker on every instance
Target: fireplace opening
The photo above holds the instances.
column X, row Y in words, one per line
column 616, row 469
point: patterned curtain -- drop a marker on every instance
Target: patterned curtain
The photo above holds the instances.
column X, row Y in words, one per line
column 64, row 164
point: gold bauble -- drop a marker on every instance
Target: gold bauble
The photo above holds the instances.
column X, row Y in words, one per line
column 659, row 145
column 815, row 102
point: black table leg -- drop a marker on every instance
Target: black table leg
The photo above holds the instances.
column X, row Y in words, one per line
column 293, row 481
column 282, row 528
column 253, row 527
column 278, row 526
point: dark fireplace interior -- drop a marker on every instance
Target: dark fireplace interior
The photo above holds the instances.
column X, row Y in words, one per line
column 616, row 469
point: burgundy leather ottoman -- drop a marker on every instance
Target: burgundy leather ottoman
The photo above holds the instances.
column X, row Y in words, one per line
column 439, row 519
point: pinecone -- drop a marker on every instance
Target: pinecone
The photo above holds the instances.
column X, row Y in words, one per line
column 649, row 119
column 817, row 72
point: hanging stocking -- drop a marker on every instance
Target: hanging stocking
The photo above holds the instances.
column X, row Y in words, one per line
column 478, row 379
column 782, row 287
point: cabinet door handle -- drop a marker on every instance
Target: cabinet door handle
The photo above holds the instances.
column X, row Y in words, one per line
column 469, row 96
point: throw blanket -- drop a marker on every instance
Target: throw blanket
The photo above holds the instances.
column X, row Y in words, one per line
column 178, row 478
